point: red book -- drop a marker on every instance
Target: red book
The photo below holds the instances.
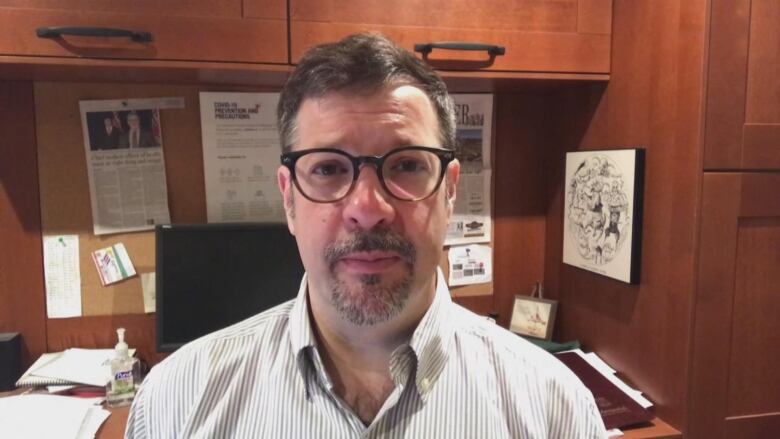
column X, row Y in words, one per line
column 617, row 409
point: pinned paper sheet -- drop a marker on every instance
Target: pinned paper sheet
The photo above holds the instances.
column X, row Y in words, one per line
column 63, row 280
column 113, row 264
column 470, row 264
column 148, row 286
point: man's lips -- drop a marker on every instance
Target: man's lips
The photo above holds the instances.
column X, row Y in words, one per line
column 370, row 261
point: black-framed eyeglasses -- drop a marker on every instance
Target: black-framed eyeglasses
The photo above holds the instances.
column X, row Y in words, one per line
column 327, row 175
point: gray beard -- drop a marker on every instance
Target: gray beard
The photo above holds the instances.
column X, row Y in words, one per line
column 371, row 302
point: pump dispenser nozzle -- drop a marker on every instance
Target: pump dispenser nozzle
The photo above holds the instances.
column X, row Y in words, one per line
column 121, row 350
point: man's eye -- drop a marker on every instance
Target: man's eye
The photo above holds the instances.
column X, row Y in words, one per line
column 329, row 169
column 408, row 165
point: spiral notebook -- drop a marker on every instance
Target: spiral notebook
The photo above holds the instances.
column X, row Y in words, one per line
column 70, row 367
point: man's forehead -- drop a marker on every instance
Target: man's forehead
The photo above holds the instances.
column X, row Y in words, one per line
column 400, row 98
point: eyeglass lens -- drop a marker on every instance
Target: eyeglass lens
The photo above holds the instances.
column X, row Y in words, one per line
column 408, row 174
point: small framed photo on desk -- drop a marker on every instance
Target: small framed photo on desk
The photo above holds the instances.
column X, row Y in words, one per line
column 532, row 317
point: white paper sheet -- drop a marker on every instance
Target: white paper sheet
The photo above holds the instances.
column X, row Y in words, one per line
column 44, row 417
column 92, row 421
column 240, row 157
column 125, row 163
column 471, row 220
column 62, row 276
column 149, row 288
column 470, row 264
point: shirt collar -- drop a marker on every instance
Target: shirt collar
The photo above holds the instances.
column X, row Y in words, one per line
column 304, row 343
column 301, row 333
column 430, row 341
column 432, row 338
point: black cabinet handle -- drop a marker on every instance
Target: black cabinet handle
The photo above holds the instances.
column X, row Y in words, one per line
column 55, row 32
column 491, row 49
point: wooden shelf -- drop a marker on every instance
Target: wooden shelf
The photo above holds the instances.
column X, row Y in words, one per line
column 225, row 73
column 657, row 429
column 141, row 71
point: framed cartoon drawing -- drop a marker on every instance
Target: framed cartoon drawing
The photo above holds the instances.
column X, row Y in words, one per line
column 602, row 215
column 532, row 317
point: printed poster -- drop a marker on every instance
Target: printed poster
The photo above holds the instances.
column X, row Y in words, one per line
column 240, row 157
column 471, row 221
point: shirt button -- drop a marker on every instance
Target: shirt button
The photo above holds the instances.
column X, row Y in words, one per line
column 425, row 384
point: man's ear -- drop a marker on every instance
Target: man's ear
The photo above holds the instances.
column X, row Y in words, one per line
column 451, row 185
column 284, row 180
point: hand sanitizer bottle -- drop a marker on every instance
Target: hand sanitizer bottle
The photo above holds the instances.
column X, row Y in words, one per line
column 124, row 374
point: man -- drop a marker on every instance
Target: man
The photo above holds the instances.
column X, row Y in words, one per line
column 108, row 136
column 373, row 345
column 136, row 137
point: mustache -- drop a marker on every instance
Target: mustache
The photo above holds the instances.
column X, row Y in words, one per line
column 371, row 240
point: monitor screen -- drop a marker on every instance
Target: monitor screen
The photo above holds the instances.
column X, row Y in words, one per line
column 210, row 276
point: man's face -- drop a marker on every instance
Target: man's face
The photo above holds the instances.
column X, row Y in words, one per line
column 132, row 121
column 369, row 255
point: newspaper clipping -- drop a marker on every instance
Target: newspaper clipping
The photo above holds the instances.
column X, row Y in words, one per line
column 471, row 221
column 240, row 157
column 125, row 163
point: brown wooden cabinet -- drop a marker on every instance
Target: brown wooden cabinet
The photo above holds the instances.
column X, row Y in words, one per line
column 734, row 383
column 250, row 31
column 565, row 36
column 743, row 110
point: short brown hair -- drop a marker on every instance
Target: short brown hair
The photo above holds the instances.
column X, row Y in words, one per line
column 361, row 63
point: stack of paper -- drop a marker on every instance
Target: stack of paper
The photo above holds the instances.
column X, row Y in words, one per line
column 71, row 367
column 50, row 416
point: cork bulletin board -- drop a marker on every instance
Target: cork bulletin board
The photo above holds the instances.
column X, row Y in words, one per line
column 64, row 188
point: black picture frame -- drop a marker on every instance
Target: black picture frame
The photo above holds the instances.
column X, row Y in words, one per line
column 603, row 208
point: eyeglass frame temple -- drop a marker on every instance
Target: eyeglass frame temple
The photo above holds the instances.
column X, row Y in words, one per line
column 288, row 160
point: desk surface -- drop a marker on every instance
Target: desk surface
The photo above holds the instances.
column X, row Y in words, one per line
column 114, row 427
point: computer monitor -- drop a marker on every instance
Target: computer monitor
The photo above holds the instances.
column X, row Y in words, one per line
column 210, row 276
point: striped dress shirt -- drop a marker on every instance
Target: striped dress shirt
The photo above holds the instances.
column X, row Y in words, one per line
column 460, row 376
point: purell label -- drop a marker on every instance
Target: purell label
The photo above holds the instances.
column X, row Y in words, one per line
column 124, row 375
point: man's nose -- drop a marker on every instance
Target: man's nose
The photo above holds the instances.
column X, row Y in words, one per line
column 368, row 205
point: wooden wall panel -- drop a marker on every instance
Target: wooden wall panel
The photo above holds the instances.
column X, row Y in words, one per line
column 520, row 201
column 726, row 83
column 763, row 67
column 22, row 294
column 654, row 100
column 526, row 15
column 734, row 348
column 753, row 427
column 743, row 112
column 712, row 318
column 194, row 8
column 755, row 331
column 761, row 147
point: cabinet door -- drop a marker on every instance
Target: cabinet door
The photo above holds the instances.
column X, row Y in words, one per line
column 253, row 31
column 734, row 379
column 539, row 35
column 743, row 110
